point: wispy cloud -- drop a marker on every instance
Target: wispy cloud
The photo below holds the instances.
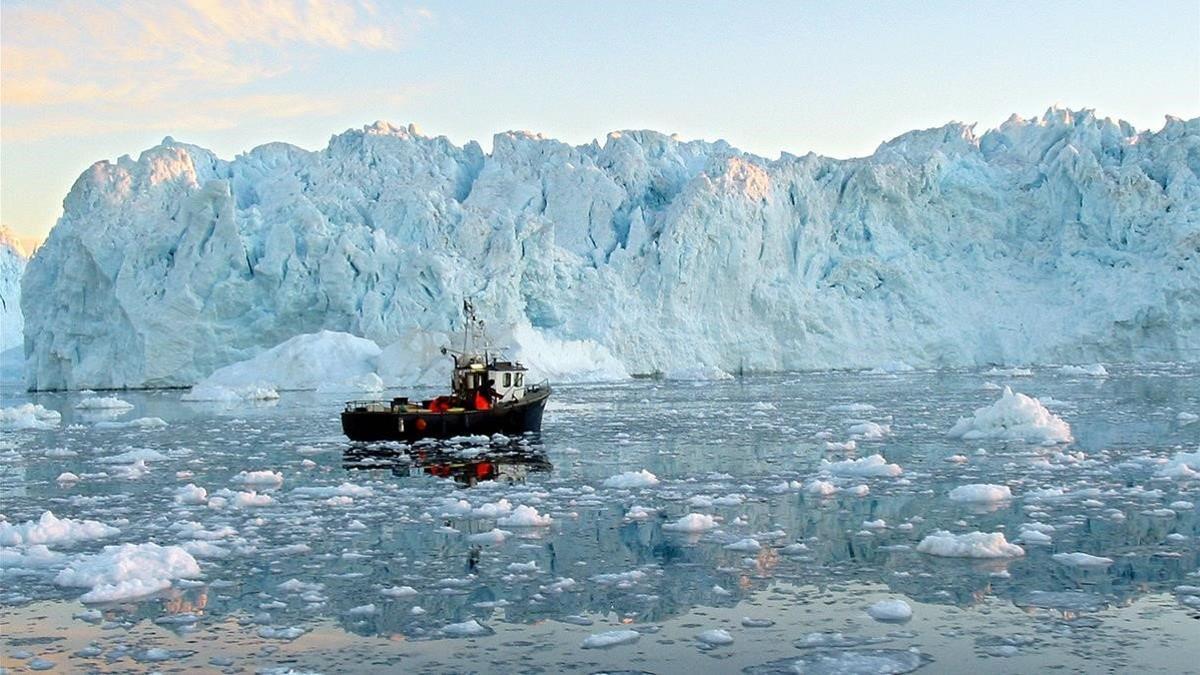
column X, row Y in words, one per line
column 87, row 60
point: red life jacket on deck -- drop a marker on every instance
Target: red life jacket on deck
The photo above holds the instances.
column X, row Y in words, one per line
column 482, row 402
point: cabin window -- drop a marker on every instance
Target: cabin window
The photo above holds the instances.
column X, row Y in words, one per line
column 507, row 380
column 520, row 377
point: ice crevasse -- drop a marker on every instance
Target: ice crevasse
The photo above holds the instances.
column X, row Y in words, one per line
column 1065, row 238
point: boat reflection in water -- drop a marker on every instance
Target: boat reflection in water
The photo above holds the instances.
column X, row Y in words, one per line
column 509, row 462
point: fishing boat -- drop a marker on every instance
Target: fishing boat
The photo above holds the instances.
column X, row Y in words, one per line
column 488, row 395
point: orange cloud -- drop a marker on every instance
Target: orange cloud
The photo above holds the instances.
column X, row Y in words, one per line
column 76, row 51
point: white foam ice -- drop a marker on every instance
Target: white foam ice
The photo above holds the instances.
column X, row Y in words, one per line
column 873, row 466
column 264, row 477
column 631, row 479
column 103, row 403
column 969, row 545
column 1015, row 417
column 981, row 492
column 50, row 529
column 524, row 516
column 28, row 416
column 1078, row 559
column 128, row 571
column 890, row 611
column 715, row 637
column 692, row 522
column 610, row 638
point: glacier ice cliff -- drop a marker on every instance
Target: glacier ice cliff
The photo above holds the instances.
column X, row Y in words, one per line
column 1065, row 238
column 13, row 260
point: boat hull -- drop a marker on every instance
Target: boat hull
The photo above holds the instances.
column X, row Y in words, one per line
column 382, row 425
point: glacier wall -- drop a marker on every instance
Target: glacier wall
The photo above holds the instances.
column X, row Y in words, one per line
column 12, row 266
column 1064, row 238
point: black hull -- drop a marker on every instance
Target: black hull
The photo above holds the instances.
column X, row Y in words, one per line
column 510, row 420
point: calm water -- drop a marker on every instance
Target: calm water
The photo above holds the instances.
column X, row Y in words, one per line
column 737, row 450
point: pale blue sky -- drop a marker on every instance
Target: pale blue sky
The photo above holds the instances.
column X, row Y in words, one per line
column 84, row 81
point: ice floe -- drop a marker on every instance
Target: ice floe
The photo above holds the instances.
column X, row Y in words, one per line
column 28, row 416
column 980, row 492
column 1013, row 417
column 50, row 529
column 128, row 571
column 969, row 545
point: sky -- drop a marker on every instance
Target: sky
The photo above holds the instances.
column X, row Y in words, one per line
column 85, row 80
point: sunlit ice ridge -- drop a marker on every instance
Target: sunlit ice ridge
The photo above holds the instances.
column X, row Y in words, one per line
column 1067, row 238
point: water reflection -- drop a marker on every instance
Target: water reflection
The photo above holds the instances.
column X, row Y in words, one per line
column 509, row 462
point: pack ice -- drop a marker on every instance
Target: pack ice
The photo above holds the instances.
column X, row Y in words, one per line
column 1066, row 238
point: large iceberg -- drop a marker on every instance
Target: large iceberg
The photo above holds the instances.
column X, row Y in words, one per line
column 1067, row 238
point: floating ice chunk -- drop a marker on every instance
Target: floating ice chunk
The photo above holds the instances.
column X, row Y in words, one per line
column 1034, row 537
column 205, row 549
column 869, row 431
column 49, row 529
column 136, row 455
column 639, row 513
column 343, row 490
column 29, row 557
column 523, row 568
column 264, row 478
column 1184, row 465
column 1013, row 417
column 750, row 622
column 890, row 611
column 875, row 465
column 848, row 446
column 191, row 494
column 128, row 571
column 632, row 479
column 692, row 522
column 399, row 591
column 852, row 407
column 715, row 637
column 1186, row 418
column 969, row 545
column 621, row 579
column 139, row 423
column 524, row 516
column 495, row 509
column 957, row 459
column 1010, row 372
column 877, row 524
column 493, row 536
column 845, row 662
column 610, row 638
column 745, row 545
column 980, row 492
column 470, row 628
column 251, row 498
column 220, row 394
column 281, row 633
column 1093, row 370
column 28, row 416
column 67, row 477
column 363, row 610
column 820, row 488
column 103, row 403
column 1081, row 560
